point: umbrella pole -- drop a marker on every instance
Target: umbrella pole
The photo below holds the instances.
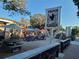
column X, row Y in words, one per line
column 4, row 32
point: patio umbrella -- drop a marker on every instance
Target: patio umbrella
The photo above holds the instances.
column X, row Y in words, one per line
column 13, row 26
column 32, row 30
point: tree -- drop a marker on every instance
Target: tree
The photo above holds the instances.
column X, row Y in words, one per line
column 37, row 20
column 74, row 32
column 25, row 22
column 77, row 30
column 76, row 2
column 16, row 6
column 61, row 28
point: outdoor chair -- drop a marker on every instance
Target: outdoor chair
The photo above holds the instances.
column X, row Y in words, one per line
column 40, row 37
column 29, row 38
column 36, row 38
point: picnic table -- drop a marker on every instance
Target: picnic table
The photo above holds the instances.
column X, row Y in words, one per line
column 64, row 44
column 50, row 49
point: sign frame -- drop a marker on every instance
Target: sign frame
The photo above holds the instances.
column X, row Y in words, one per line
column 58, row 15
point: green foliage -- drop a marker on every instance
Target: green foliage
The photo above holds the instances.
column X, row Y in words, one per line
column 78, row 13
column 75, row 31
column 76, row 2
column 37, row 20
column 34, row 23
column 12, row 6
column 61, row 28
column 3, row 0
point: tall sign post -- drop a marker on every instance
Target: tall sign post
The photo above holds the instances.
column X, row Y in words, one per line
column 53, row 19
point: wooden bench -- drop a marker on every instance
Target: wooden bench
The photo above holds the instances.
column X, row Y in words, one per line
column 14, row 48
column 11, row 47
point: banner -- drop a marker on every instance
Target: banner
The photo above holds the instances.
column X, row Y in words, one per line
column 53, row 17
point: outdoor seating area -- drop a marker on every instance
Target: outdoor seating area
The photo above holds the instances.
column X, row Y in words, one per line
column 20, row 41
column 39, row 29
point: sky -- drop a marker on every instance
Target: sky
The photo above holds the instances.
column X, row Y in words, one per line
column 68, row 10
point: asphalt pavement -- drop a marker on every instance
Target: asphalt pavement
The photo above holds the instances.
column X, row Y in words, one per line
column 72, row 52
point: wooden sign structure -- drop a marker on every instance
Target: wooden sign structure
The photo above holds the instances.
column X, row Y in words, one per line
column 53, row 18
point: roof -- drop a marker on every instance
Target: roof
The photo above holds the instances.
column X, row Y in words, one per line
column 6, row 20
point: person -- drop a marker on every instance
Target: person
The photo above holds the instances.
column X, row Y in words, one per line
column 11, row 34
column 21, row 35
